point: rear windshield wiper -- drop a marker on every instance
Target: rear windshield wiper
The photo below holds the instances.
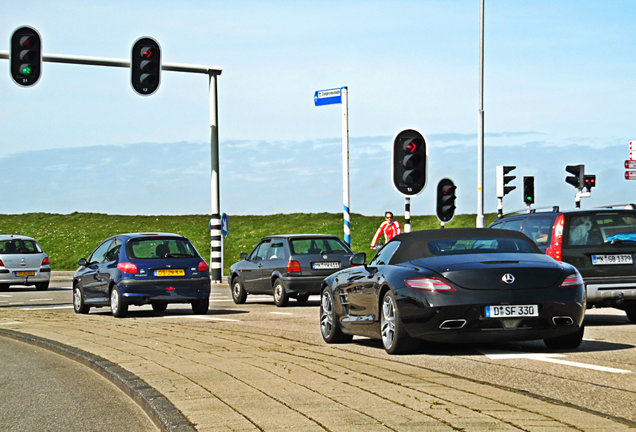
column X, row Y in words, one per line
column 619, row 241
column 178, row 255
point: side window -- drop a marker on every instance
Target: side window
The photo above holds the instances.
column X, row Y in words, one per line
column 113, row 250
column 261, row 251
column 513, row 224
column 385, row 254
column 539, row 229
column 276, row 251
column 100, row 252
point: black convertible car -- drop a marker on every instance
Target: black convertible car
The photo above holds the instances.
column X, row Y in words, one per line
column 455, row 285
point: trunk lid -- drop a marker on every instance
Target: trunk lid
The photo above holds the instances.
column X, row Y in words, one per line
column 500, row 271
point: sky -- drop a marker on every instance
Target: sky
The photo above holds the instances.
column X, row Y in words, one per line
column 559, row 89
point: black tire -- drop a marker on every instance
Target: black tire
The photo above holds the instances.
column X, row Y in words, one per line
column 4, row 287
column 394, row 337
column 631, row 312
column 302, row 298
column 280, row 294
column 329, row 328
column 159, row 307
column 568, row 341
column 117, row 305
column 79, row 305
column 239, row 295
column 42, row 286
column 201, row 306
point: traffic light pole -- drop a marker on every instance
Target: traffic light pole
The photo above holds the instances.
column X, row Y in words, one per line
column 407, row 214
column 479, row 223
column 213, row 72
column 346, row 197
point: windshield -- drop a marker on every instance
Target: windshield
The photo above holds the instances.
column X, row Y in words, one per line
column 160, row 247
column 17, row 246
column 456, row 246
column 599, row 228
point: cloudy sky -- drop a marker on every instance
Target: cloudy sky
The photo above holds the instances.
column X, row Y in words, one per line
column 560, row 89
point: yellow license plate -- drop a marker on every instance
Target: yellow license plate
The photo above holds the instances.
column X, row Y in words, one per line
column 170, row 272
column 25, row 273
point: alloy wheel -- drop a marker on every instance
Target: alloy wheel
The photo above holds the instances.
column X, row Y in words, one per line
column 388, row 322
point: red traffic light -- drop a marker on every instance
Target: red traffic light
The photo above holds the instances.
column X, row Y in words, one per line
column 146, row 52
column 410, row 146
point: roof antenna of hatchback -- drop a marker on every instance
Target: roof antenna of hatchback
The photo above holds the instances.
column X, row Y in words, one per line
column 555, row 209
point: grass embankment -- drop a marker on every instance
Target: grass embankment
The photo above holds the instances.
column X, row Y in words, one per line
column 66, row 238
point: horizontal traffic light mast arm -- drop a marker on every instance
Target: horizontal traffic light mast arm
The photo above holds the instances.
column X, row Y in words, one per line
column 102, row 61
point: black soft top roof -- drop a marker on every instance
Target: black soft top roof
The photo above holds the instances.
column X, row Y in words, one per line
column 414, row 245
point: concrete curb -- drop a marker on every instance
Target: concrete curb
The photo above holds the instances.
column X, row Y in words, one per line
column 162, row 412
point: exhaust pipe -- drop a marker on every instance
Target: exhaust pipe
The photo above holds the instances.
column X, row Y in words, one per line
column 562, row 320
column 453, row 324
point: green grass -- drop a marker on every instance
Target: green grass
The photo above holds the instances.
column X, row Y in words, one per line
column 68, row 237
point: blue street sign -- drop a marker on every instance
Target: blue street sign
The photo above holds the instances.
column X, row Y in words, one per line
column 328, row 97
column 225, row 225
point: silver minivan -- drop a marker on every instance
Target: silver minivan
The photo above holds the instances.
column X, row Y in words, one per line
column 23, row 262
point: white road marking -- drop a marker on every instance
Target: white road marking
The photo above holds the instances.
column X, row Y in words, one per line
column 34, row 300
column 201, row 317
column 11, row 322
column 6, row 295
column 550, row 358
column 282, row 313
column 48, row 307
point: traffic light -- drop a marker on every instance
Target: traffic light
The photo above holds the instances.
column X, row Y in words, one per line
column 589, row 181
column 409, row 162
column 503, row 180
column 446, row 200
column 578, row 178
column 528, row 190
column 145, row 66
column 26, row 56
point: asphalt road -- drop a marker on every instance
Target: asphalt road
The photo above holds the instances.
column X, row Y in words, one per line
column 596, row 379
column 43, row 391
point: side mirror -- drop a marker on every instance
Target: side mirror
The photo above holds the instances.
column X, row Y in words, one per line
column 358, row 259
column 243, row 255
column 82, row 262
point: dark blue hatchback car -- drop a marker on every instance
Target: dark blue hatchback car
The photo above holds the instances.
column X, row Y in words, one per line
column 142, row 268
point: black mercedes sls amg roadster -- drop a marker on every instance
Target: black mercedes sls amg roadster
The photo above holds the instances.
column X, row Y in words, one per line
column 464, row 285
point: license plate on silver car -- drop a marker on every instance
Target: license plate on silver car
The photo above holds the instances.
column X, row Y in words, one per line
column 512, row 311
column 326, row 265
column 612, row 259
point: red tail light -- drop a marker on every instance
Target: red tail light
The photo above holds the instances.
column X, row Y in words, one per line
column 203, row 266
column 428, row 284
column 555, row 249
column 127, row 267
column 572, row 280
column 45, row 261
column 1, row 263
column 293, row 266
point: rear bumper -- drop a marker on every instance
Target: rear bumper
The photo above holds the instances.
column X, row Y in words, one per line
column 8, row 276
column 464, row 321
column 467, row 324
column 168, row 290
column 610, row 294
column 303, row 284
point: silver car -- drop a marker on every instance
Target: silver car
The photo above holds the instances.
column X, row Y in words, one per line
column 23, row 262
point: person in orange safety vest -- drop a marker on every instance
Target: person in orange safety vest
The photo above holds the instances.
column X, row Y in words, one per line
column 390, row 228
